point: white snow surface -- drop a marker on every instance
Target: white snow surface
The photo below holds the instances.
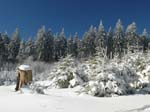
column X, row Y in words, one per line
column 67, row 100
column 24, row 67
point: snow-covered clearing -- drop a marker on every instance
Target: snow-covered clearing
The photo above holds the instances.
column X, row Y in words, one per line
column 67, row 100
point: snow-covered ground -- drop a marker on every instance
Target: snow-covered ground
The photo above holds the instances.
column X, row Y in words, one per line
column 67, row 100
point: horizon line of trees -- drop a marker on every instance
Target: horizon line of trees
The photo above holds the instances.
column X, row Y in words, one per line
column 49, row 47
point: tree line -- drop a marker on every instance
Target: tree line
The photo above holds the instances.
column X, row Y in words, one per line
column 51, row 47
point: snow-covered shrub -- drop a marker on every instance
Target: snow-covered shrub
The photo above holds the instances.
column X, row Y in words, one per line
column 7, row 77
column 8, row 67
column 66, row 74
column 95, row 88
column 8, row 74
column 64, row 81
column 112, row 82
column 37, row 88
column 113, row 77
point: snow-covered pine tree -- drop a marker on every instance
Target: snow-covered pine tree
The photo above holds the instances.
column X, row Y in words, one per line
column 144, row 40
column 29, row 48
column 131, row 37
column 75, row 44
column 88, row 41
column 13, row 47
column 70, row 46
column 1, row 48
column 6, row 41
column 100, row 40
column 63, row 43
column 119, row 39
column 21, row 54
column 40, row 44
column 50, row 46
column 110, row 49
column 81, row 49
column 56, row 47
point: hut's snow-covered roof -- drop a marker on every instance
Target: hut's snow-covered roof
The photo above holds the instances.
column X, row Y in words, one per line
column 24, row 67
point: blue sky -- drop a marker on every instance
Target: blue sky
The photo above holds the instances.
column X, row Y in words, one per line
column 73, row 15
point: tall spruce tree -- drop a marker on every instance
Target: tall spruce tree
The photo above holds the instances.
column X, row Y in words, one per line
column 40, row 44
column 63, row 43
column 21, row 54
column 49, row 46
column 118, row 39
column 70, row 46
column 131, row 37
column 29, row 48
column 110, row 49
column 13, row 47
column 56, row 47
column 100, row 40
column 1, row 48
column 5, row 44
column 144, row 40
column 75, row 44
column 88, row 42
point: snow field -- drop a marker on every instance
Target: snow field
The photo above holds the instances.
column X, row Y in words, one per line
column 67, row 100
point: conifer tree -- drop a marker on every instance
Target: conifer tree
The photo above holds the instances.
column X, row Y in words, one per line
column 118, row 39
column 13, row 47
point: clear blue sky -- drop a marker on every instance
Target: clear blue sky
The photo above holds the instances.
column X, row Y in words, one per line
column 73, row 15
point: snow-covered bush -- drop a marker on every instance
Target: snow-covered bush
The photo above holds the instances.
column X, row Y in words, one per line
column 102, row 77
column 8, row 74
column 7, row 77
column 63, row 81
column 113, row 78
column 37, row 88
column 95, row 88
column 128, row 75
column 66, row 74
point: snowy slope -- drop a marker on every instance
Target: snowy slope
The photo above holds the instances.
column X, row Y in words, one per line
column 66, row 100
